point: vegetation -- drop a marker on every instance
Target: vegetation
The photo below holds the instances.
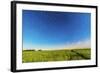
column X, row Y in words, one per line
column 55, row 55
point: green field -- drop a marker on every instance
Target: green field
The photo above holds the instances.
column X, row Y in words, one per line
column 55, row 55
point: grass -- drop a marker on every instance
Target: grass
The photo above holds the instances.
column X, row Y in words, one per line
column 55, row 55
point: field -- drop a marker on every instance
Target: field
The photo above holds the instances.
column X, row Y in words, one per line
column 55, row 55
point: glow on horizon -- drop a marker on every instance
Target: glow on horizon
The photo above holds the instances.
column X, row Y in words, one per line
column 74, row 45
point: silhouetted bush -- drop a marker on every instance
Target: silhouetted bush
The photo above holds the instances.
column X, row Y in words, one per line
column 39, row 50
column 33, row 49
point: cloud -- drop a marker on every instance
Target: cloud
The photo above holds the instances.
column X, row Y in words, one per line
column 73, row 45
column 79, row 44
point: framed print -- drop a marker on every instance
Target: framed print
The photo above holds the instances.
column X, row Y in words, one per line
column 47, row 36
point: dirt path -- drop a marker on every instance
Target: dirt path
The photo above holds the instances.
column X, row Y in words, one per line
column 79, row 54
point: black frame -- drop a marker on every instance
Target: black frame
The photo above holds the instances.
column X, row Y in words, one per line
column 13, row 35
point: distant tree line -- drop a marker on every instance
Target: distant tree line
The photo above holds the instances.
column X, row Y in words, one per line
column 36, row 50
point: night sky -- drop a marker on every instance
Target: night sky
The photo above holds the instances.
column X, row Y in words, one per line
column 46, row 29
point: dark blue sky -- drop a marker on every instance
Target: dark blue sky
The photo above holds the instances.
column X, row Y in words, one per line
column 46, row 28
